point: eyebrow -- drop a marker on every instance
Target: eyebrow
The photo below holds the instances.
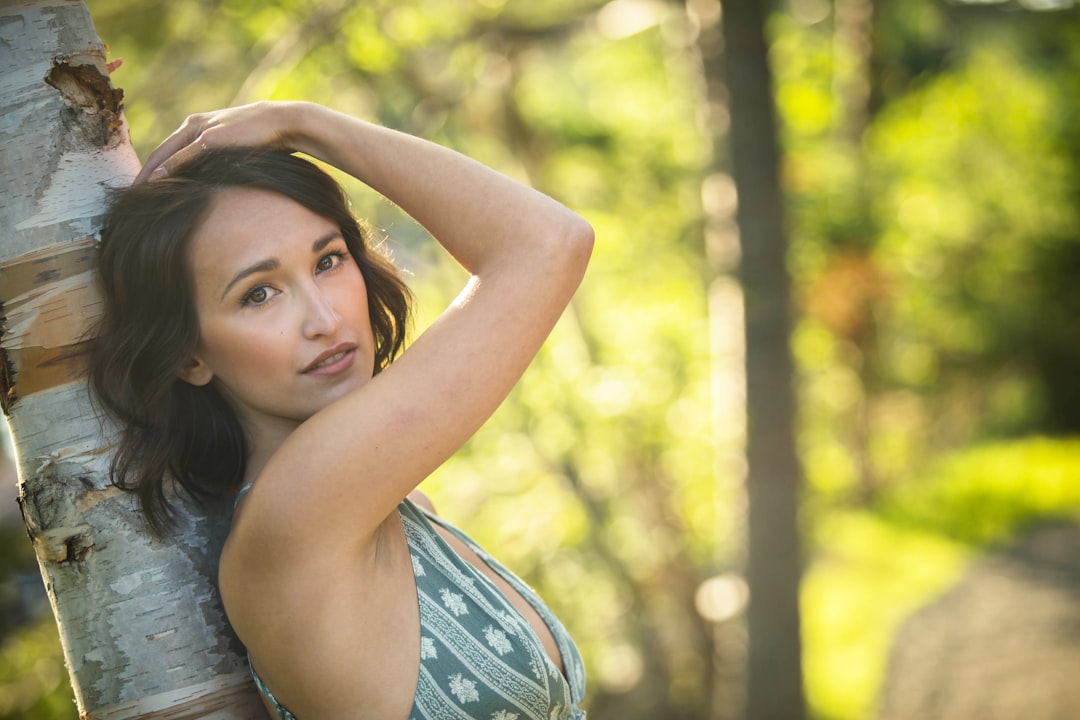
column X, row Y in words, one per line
column 325, row 240
column 273, row 263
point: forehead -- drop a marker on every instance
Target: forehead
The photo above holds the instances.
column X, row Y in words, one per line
column 244, row 225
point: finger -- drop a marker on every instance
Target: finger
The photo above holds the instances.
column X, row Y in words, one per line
column 180, row 157
column 184, row 136
column 156, row 159
column 169, row 147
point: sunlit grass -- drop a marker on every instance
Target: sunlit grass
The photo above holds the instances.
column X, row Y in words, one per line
column 868, row 575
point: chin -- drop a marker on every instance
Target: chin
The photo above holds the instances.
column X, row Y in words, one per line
column 346, row 388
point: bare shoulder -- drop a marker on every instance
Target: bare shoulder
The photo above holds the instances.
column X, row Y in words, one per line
column 329, row 634
column 274, row 566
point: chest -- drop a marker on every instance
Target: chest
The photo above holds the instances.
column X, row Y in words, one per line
column 433, row 628
column 488, row 644
column 523, row 607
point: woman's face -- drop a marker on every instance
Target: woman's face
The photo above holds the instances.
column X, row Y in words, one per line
column 283, row 314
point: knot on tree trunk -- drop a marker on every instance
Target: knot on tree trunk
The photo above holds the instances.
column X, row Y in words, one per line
column 94, row 106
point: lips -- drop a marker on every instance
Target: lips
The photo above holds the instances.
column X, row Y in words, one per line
column 332, row 360
column 329, row 361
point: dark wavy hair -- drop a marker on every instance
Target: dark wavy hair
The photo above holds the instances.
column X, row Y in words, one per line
column 149, row 328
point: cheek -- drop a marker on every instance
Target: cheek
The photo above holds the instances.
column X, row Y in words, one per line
column 233, row 349
column 351, row 296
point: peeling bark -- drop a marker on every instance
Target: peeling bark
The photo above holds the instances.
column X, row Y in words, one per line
column 94, row 106
column 140, row 620
column 46, row 295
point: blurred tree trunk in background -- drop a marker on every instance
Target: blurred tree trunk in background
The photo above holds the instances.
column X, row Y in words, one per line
column 774, row 688
column 726, row 355
column 853, row 49
column 142, row 628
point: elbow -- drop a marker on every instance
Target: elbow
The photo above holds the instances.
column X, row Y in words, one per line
column 586, row 238
column 557, row 247
column 578, row 239
column 570, row 250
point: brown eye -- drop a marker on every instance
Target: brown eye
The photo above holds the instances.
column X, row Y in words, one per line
column 329, row 261
column 256, row 296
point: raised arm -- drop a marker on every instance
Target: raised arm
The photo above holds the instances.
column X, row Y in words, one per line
column 342, row 472
column 459, row 201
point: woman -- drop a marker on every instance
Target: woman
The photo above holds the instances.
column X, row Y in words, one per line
column 246, row 343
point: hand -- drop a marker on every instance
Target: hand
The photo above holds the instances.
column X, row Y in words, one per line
column 261, row 124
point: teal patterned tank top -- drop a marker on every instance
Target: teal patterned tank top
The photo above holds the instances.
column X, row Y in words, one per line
column 479, row 658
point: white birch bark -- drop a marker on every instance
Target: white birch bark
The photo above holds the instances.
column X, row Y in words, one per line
column 140, row 621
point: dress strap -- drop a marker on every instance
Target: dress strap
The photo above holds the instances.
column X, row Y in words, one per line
column 282, row 713
column 241, row 493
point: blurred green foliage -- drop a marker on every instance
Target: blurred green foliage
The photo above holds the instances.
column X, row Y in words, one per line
column 33, row 679
column 931, row 163
column 983, row 495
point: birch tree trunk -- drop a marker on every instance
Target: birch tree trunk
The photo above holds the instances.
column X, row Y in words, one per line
column 142, row 628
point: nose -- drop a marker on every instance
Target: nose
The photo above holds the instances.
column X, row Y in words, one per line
column 319, row 316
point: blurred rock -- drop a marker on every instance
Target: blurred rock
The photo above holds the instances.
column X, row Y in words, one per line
column 1003, row 644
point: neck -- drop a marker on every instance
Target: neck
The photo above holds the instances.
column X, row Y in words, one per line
column 264, row 438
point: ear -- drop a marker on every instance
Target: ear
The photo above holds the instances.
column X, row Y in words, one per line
column 196, row 372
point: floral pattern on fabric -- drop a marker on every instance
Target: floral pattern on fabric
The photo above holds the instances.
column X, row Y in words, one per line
column 479, row 657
